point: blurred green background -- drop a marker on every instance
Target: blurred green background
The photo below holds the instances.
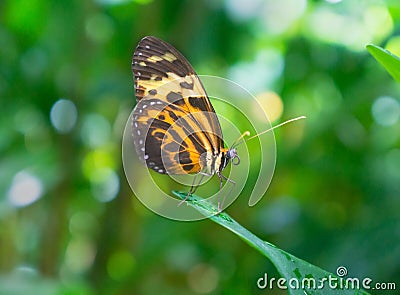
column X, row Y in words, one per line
column 69, row 223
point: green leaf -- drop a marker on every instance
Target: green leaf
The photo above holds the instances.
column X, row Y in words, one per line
column 290, row 267
column 390, row 61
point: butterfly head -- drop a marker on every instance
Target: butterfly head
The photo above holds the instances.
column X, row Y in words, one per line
column 233, row 156
column 225, row 157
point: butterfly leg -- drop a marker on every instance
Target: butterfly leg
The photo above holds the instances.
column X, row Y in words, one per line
column 221, row 179
column 194, row 186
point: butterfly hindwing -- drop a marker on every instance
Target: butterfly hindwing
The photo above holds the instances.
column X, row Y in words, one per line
column 174, row 122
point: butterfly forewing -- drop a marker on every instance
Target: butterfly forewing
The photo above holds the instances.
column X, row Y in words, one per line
column 173, row 122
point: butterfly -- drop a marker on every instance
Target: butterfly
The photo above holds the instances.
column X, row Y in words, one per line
column 174, row 125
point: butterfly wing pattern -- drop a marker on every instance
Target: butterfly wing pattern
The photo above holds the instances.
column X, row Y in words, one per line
column 174, row 126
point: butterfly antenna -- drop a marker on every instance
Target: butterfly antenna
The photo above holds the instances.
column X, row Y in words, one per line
column 247, row 133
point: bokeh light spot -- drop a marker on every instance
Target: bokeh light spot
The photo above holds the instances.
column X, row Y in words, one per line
column 378, row 22
column 351, row 132
column 82, row 223
column 63, row 115
column 120, row 265
column 265, row 70
column 99, row 28
column 203, row 278
column 280, row 213
column 383, row 139
column 80, row 255
column 330, row 26
column 241, row 11
column 104, row 184
column 25, row 189
column 279, row 16
column 392, row 163
column 271, row 103
column 182, row 256
column 27, row 120
column 96, row 159
column 386, row 111
column 96, row 130
column 34, row 62
column 27, row 272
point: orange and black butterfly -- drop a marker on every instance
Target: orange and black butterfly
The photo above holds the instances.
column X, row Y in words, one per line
column 175, row 128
